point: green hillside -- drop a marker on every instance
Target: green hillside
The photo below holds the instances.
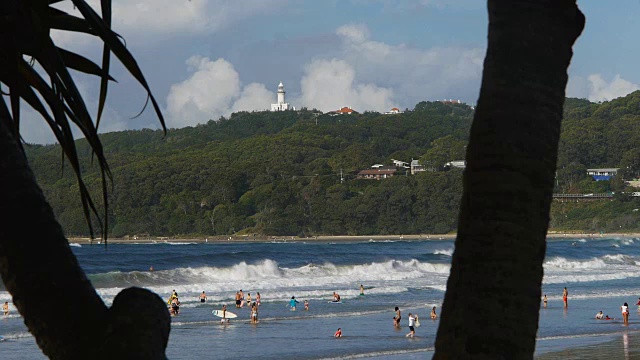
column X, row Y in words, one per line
column 294, row 173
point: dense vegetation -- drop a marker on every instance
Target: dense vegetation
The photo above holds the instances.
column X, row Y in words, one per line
column 294, row 173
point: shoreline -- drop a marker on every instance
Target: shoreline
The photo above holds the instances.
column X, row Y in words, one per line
column 555, row 235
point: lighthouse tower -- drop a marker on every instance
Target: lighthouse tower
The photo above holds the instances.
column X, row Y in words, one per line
column 281, row 105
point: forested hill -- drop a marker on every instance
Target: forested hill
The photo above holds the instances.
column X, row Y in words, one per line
column 294, row 173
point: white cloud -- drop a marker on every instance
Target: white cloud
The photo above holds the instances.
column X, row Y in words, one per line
column 600, row 90
column 254, row 97
column 194, row 16
column 213, row 90
column 330, row 84
column 149, row 18
column 413, row 73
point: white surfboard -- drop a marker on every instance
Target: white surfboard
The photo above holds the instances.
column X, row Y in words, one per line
column 334, row 302
column 229, row 314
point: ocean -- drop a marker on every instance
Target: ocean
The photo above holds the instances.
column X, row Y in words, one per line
column 600, row 274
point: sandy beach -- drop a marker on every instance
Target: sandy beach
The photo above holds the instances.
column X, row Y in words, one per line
column 326, row 238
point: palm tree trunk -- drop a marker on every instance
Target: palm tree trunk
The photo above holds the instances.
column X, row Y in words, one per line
column 493, row 293
column 58, row 303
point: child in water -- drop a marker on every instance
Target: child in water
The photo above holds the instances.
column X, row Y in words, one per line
column 338, row 333
column 306, row 305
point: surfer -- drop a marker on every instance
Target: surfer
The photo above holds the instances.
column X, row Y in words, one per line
column 600, row 315
column 224, row 314
column 433, row 313
column 293, row 302
column 338, row 333
column 5, row 308
column 397, row 318
column 412, row 321
column 203, row 297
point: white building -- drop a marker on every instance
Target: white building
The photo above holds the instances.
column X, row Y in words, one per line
column 282, row 105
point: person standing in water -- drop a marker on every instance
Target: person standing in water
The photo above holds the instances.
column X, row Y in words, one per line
column 293, row 302
column 203, row 297
column 544, row 300
column 361, row 289
column 625, row 313
column 224, row 314
column 5, row 308
column 258, row 299
column 338, row 333
column 412, row 322
column 254, row 313
column 565, row 297
column 249, row 299
column 306, row 305
column 397, row 318
column 433, row 313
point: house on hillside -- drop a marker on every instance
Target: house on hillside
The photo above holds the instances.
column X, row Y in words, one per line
column 377, row 172
column 394, row 110
column 399, row 163
column 602, row 174
column 461, row 164
column 416, row 167
column 345, row 110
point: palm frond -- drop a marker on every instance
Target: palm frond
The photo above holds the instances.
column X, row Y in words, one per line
column 33, row 20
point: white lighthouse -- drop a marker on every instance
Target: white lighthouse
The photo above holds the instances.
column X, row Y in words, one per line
column 281, row 105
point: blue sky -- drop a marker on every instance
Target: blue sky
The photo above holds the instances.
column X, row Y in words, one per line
column 208, row 58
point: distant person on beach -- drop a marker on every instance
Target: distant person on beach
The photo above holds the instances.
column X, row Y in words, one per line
column 433, row 313
column 203, row 297
column 306, row 305
column 625, row 313
column 600, row 315
column 362, row 290
column 258, row 299
column 5, row 308
column 338, row 333
column 397, row 318
column 412, row 322
column 565, row 297
column 293, row 302
column 544, row 300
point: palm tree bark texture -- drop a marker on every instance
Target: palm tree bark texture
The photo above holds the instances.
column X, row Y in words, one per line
column 492, row 302
column 58, row 303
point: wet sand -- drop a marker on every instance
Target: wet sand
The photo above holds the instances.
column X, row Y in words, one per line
column 625, row 345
